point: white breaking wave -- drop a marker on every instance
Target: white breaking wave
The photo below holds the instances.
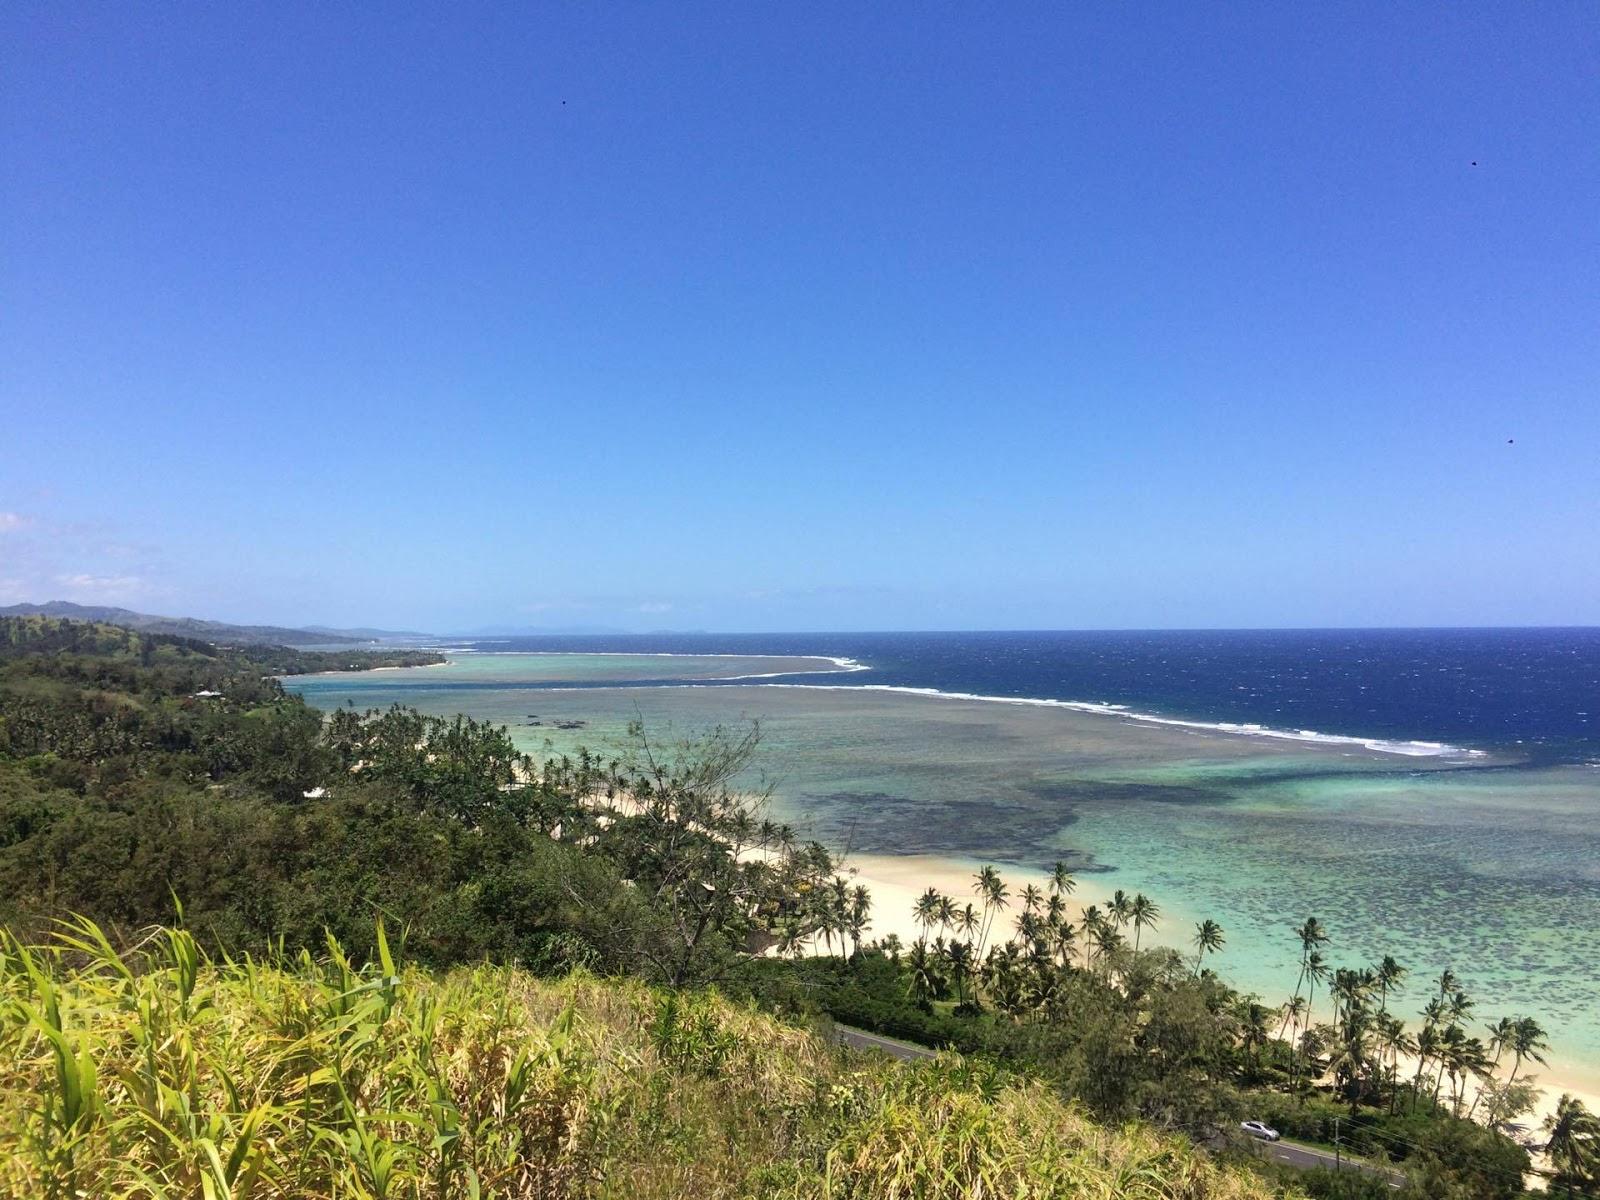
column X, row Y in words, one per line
column 841, row 665
column 1411, row 749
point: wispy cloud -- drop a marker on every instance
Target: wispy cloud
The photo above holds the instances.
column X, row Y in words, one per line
column 47, row 559
column 106, row 589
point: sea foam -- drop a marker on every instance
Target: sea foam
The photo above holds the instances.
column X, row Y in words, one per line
column 1409, row 749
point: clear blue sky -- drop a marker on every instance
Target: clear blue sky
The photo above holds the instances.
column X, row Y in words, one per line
column 803, row 316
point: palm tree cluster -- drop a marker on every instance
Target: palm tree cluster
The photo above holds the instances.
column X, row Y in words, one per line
column 838, row 910
column 1362, row 1046
column 1358, row 1050
column 966, row 958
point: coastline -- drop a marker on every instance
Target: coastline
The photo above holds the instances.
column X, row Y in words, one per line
column 896, row 880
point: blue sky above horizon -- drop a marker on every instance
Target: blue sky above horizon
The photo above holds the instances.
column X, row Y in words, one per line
column 718, row 317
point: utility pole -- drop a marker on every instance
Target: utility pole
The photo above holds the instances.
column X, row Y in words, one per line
column 1337, row 1163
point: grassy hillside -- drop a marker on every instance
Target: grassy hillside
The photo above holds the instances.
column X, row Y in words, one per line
column 163, row 1074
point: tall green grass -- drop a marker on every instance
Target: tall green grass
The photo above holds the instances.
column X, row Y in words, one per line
column 153, row 1072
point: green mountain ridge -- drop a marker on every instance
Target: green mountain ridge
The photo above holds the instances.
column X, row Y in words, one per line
column 214, row 631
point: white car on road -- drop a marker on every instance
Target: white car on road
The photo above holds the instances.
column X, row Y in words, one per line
column 1259, row 1130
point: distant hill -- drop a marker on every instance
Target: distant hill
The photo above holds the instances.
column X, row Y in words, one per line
column 210, row 631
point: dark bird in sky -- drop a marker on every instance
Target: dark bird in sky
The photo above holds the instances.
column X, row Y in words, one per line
column 1511, row 441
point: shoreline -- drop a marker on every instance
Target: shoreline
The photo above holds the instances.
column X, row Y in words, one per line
column 896, row 880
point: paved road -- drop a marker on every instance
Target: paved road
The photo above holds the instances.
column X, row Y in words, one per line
column 860, row 1039
column 1292, row 1153
column 1297, row 1155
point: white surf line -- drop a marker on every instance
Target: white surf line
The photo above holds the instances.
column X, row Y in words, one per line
column 1409, row 749
column 842, row 666
column 1406, row 749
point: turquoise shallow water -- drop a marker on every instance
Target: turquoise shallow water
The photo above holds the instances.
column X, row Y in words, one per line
column 1488, row 868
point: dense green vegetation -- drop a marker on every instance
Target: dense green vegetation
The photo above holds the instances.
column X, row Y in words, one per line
column 152, row 781
column 137, row 770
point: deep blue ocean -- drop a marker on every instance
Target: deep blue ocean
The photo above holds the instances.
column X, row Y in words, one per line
column 1534, row 693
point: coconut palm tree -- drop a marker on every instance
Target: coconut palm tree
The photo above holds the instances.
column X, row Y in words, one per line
column 1393, row 1041
column 1313, row 970
column 991, row 890
column 1459, row 1007
column 1467, row 1058
column 1061, row 881
column 1446, row 983
column 959, row 959
column 1064, row 934
column 1032, row 898
column 1351, row 1059
column 1107, row 941
column 792, row 936
column 1389, row 974
column 1253, row 1029
column 923, row 966
column 1317, row 971
column 859, row 916
column 966, row 923
column 1500, row 1036
column 1428, row 1045
column 1527, row 1041
column 1044, row 986
column 1027, row 926
column 1449, row 1053
column 1311, row 935
column 1208, row 939
column 1573, row 1144
column 838, row 908
column 1120, row 908
column 1341, row 990
column 1090, row 922
column 925, row 911
column 1144, row 913
column 1294, row 1011
column 1041, row 958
